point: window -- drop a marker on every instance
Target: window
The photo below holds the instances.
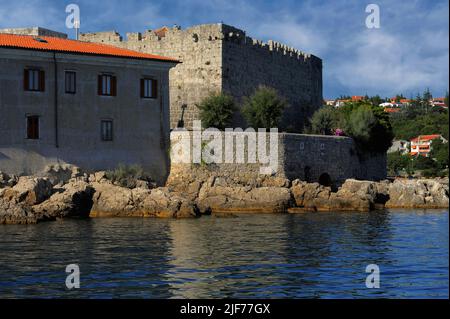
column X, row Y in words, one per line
column 107, row 130
column 107, row 85
column 149, row 88
column 34, row 80
column 33, row 127
column 71, row 86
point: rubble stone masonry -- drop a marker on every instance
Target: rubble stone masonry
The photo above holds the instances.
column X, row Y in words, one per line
column 221, row 58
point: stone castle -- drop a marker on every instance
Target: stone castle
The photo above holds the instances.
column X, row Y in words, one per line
column 221, row 58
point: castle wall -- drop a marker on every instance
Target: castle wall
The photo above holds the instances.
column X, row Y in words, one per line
column 217, row 57
column 200, row 73
column 297, row 76
column 306, row 157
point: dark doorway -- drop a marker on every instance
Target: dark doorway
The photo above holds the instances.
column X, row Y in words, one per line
column 325, row 180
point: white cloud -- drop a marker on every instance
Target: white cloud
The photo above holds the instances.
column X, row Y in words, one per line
column 409, row 53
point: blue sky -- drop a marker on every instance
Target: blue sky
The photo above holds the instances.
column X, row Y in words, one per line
column 408, row 53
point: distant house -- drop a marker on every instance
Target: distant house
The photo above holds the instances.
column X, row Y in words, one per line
column 405, row 102
column 422, row 144
column 340, row 103
column 357, row 98
column 401, row 146
column 87, row 104
column 330, row 102
column 439, row 102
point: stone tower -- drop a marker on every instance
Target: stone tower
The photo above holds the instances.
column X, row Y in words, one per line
column 221, row 58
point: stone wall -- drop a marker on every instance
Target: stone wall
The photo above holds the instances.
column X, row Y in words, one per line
column 296, row 75
column 72, row 133
column 221, row 58
column 307, row 157
column 35, row 31
column 200, row 73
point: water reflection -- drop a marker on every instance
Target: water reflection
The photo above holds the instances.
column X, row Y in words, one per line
column 320, row 255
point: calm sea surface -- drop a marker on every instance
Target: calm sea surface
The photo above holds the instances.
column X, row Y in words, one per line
column 311, row 255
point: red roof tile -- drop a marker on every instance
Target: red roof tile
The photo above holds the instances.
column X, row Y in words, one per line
column 73, row 46
column 392, row 109
column 424, row 138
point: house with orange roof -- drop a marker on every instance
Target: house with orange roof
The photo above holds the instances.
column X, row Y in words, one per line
column 439, row 102
column 357, row 98
column 88, row 104
column 422, row 144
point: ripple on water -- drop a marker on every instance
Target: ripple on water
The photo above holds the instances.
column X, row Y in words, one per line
column 311, row 255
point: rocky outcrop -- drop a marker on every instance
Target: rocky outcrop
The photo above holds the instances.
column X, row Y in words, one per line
column 29, row 190
column 7, row 180
column 73, row 200
column 63, row 191
column 60, row 174
column 12, row 212
column 244, row 199
column 353, row 195
column 424, row 193
column 113, row 201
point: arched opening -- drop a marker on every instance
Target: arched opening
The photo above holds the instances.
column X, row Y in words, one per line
column 325, row 180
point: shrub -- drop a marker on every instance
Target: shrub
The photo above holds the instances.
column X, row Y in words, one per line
column 126, row 176
column 369, row 126
column 217, row 111
column 323, row 121
column 264, row 108
column 397, row 162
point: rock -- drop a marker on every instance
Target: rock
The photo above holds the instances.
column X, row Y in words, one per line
column 114, row 201
column 74, row 200
column 275, row 182
column 100, row 176
column 142, row 184
column 7, row 180
column 15, row 213
column 305, row 193
column 353, row 195
column 244, row 199
column 60, row 174
column 417, row 194
column 30, row 190
column 4, row 178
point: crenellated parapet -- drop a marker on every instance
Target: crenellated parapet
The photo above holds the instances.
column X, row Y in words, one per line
column 222, row 58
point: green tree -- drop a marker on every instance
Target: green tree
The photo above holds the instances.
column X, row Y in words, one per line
column 323, row 121
column 397, row 162
column 446, row 99
column 264, row 108
column 421, row 163
column 439, row 152
column 370, row 127
column 217, row 111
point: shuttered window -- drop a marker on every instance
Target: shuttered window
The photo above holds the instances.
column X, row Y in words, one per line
column 71, row 85
column 107, row 85
column 107, row 130
column 34, row 80
column 149, row 88
column 33, row 127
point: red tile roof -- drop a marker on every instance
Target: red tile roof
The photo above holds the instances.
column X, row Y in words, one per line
column 73, row 46
column 425, row 138
column 392, row 109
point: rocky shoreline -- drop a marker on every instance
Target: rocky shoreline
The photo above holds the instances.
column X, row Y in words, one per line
column 63, row 191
